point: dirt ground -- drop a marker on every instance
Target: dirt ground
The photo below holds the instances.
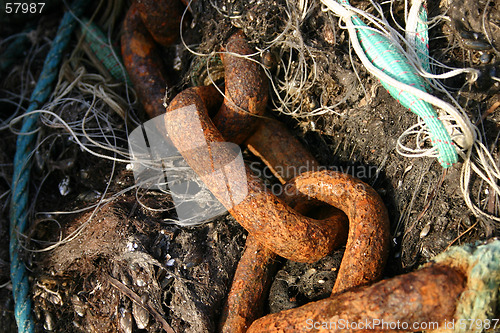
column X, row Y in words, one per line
column 125, row 252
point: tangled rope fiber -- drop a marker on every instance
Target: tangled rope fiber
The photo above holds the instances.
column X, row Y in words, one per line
column 479, row 301
column 384, row 58
column 19, row 208
column 453, row 122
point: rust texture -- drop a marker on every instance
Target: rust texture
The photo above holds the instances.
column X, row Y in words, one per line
column 366, row 250
column 425, row 296
column 368, row 240
column 246, row 90
column 162, row 19
column 143, row 63
column 280, row 150
column 269, row 219
column 272, row 222
column 250, row 287
column 284, row 155
column 251, row 282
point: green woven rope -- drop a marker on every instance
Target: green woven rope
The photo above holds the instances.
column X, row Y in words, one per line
column 422, row 39
column 422, row 42
column 104, row 52
column 479, row 301
column 390, row 60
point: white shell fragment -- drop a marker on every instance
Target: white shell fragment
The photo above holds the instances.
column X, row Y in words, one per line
column 125, row 320
column 141, row 315
column 78, row 305
column 64, row 188
column 425, row 230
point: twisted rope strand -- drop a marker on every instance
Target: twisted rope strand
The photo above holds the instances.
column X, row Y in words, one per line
column 398, row 76
column 105, row 53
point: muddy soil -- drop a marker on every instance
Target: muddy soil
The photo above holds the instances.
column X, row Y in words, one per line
column 128, row 270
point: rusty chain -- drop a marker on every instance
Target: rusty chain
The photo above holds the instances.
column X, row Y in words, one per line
column 276, row 225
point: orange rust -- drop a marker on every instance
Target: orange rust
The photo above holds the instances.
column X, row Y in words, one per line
column 288, row 233
column 249, row 290
column 162, row 18
column 404, row 302
column 250, row 287
column 280, row 150
column 246, row 90
column 143, row 63
column 367, row 245
column 140, row 45
column 278, row 227
column 269, row 219
column 366, row 250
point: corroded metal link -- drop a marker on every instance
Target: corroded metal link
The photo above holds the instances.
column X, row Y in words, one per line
column 249, row 290
column 162, row 18
column 282, row 152
column 246, row 91
column 425, row 296
column 366, row 250
column 250, row 287
column 367, row 245
column 273, row 225
column 143, row 63
column 270, row 220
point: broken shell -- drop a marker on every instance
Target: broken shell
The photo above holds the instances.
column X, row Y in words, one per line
column 125, row 279
column 78, row 325
column 54, row 298
column 64, row 188
column 89, row 195
column 125, row 320
column 49, row 322
column 425, row 230
column 166, row 281
column 140, row 282
column 485, row 58
column 476, row 44
column 269, row 59
column 141, row 315
column 84, row 174
column 78, row 305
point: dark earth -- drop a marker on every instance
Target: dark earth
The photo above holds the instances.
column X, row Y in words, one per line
column 126, row 252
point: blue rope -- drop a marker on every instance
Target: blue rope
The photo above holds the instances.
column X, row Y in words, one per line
column 20, row 180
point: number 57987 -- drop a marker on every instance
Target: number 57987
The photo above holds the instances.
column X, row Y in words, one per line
column 24, row 7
